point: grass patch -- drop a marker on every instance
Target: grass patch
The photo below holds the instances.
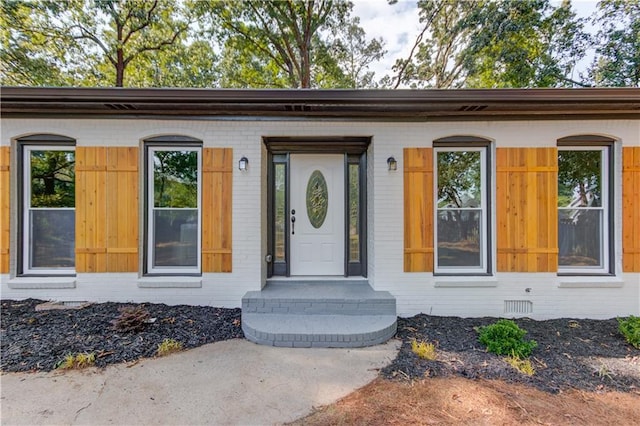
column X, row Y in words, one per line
column 168, row 346
column 77, row 361
column 424, row 350
column 522, row 365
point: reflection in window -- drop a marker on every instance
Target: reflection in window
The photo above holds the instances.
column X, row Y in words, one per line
column 461, row 205
column 582, row 201
column 49, row 215
column 174, row 217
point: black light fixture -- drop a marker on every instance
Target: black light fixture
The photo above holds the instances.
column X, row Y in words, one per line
column 243, row 164
column 392, row 163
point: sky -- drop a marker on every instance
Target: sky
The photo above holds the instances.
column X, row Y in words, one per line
column 398, row 25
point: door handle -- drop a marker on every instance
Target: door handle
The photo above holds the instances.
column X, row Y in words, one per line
column 293, row 222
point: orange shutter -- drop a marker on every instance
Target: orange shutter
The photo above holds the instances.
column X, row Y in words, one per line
column 106, row 209
column 5, row 161
column 122, row 209
column 418, row 209
column 631, row 208
column 217, row 179
column 526, row 209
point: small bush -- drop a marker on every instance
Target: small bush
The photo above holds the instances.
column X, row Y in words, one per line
column 630, row 329
column 522, row 365
column 504, row 337
column 424, row 350
column 132, row 318
column 81, row 360
column 168, row 346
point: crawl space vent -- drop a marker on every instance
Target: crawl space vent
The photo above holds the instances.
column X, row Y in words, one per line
column 518, row 306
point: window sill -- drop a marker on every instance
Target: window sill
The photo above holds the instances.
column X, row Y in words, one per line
column 34, row 283
column 465, row 284
column 170, row 282
column 591, row 284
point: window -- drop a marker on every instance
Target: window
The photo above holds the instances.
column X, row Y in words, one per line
column 173, row 206
column 461, row 198
column 584, row 191
column 48, row 214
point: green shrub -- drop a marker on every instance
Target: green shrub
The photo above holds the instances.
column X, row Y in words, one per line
column 81, row 360
column 630, row 329
column 504, row 337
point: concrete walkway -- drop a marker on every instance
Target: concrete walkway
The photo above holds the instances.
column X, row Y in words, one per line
column 229, row 383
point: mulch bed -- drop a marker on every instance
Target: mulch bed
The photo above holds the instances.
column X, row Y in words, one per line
column 571, row 353
column 31, row 340
column 580, row 354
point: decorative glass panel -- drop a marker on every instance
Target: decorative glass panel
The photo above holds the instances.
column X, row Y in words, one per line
column 354, row 212
column 317, row 199
column 52, row 242
column 175, row 237
column 279, row 209
column 175, row 179
column 459, row 179
column 580, row 238
column 459, row 238
column 52, row 178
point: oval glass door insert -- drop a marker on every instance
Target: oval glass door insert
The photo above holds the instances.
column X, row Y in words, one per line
column 317, row 199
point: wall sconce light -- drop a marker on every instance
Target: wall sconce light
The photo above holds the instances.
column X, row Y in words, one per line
column 392, row 163
column 243, row 164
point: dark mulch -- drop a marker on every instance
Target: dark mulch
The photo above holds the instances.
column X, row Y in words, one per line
column 31, row 340
column 581, row 354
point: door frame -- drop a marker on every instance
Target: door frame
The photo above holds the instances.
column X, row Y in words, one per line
column 354, row 149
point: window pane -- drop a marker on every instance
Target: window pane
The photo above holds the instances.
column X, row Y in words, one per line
column 52, row 242
column 52, row 178
column 459, row 179
column 279, row 209
column 579, row 178
column 176, row 238
column 580, row 237
column 459, row 238
column 175, row 179
column 354, row 212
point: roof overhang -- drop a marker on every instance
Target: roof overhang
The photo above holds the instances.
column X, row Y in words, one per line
column 419, row 105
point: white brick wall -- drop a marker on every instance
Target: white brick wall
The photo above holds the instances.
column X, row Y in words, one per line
column 415, row 292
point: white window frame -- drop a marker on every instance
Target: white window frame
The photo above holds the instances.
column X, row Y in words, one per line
column 26, row 260
column 605, row 207
column 483, row 209
column 150, row 237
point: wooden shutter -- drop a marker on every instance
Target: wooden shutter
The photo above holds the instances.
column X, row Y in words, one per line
column 631, row 208
column 217, row 180
column 526, row 209
column 418, row 209
column 5, row 161
column 106, row 209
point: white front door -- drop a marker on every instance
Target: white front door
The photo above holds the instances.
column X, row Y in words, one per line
column 317, row 214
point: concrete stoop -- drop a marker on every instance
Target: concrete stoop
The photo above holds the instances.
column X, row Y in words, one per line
column 334, row 314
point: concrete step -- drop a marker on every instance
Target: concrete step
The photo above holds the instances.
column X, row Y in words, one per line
column 319, row 298
column 318, row 313
column 327, row 331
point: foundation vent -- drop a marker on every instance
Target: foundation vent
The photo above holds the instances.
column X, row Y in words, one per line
column 472, row 108
column 121, row 107
column 518, row 307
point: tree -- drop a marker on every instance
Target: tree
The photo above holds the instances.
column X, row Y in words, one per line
column 287, row 43
column 617, row 59
column 438, row 53
column 91, row 41
column 503, row 43
column 525, row 44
